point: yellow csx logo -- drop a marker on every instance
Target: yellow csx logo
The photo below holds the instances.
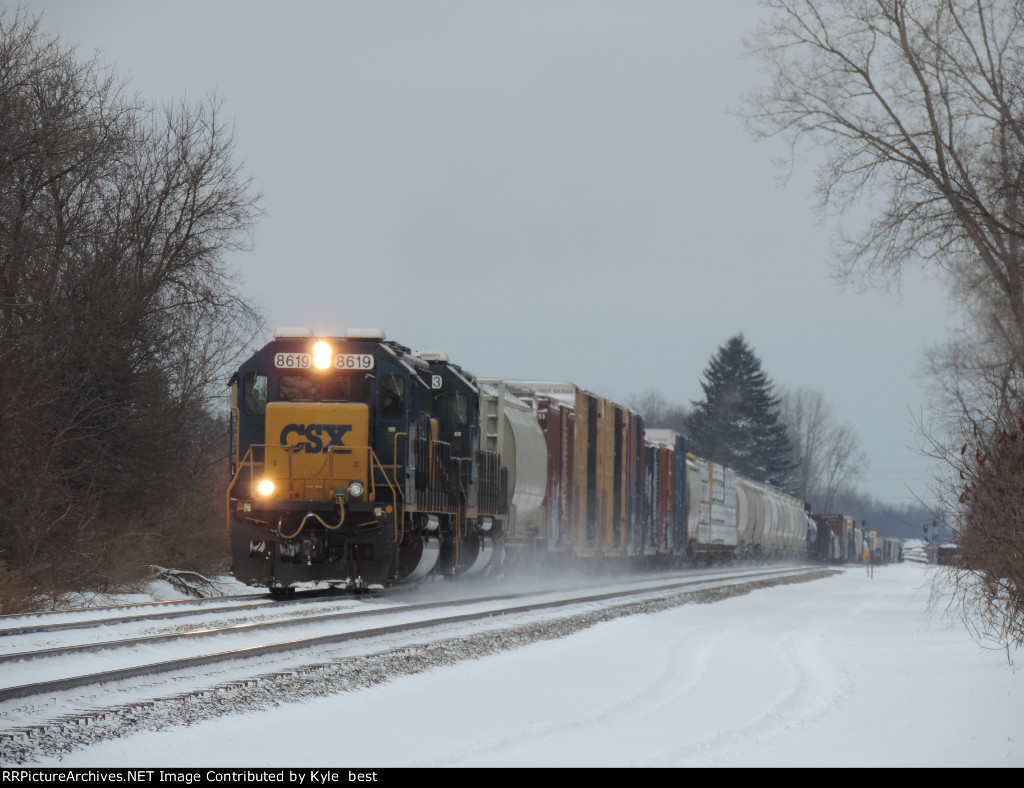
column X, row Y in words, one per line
column 319, row 438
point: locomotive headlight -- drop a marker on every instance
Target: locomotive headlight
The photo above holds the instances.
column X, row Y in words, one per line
column 322, row 354
column 265, row 487
column 355, row 489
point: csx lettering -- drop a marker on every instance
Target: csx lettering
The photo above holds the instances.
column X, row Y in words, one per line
column 319, row 438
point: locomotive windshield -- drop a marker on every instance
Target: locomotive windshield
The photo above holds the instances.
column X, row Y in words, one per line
column 309, row 387
column 254, row 394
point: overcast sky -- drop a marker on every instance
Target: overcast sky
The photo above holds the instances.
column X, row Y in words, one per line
column 543, row 189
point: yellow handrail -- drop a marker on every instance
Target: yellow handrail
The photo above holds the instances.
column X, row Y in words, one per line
column 400, row 519
column 246, row 462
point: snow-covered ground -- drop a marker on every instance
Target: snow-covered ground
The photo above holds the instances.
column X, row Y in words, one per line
column 845, row 671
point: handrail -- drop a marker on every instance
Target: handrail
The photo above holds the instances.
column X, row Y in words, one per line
column 400, row 516
column 465, row 498
column 246, row 462
column 394, row 450
column 397, row 495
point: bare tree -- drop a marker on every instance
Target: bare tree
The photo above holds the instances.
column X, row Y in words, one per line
column 979, row 439
column 917, row 107
column 657, row 411
column 985, row 581
column 806, row 415
column 843, row 461
column 827, row 454
column 117, row 312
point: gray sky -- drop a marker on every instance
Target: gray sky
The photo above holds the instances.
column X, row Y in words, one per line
column 543, row 189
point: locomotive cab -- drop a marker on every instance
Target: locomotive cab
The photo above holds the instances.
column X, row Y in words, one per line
column 318, row 426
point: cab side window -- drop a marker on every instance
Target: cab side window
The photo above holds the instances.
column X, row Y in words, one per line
column 254, row 394
column 391, row 396
column 456, row 411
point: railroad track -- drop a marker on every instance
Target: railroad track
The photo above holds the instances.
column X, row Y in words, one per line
column 58, row 716
column 18, row 628
column 254, row 639
column 86, row 618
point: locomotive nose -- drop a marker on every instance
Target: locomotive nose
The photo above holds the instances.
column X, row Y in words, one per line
column 316, row 449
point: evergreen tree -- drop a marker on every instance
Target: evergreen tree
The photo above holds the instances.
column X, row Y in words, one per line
column 737, row 424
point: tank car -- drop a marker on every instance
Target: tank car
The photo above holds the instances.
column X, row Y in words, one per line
column 356, row 462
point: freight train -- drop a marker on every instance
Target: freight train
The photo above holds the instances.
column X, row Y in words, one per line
column 841, row 541
column 357, row 463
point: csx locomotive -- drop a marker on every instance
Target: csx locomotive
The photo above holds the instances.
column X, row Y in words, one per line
column 358, row 463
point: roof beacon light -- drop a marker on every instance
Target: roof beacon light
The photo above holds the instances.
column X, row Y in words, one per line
column 291, row 331
column 372, row 334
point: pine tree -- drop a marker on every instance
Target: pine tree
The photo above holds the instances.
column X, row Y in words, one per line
column 737, row 424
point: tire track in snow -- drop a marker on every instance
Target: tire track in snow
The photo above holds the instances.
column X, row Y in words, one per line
column 697, row 676
column 520, row 739
column 817, row 680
